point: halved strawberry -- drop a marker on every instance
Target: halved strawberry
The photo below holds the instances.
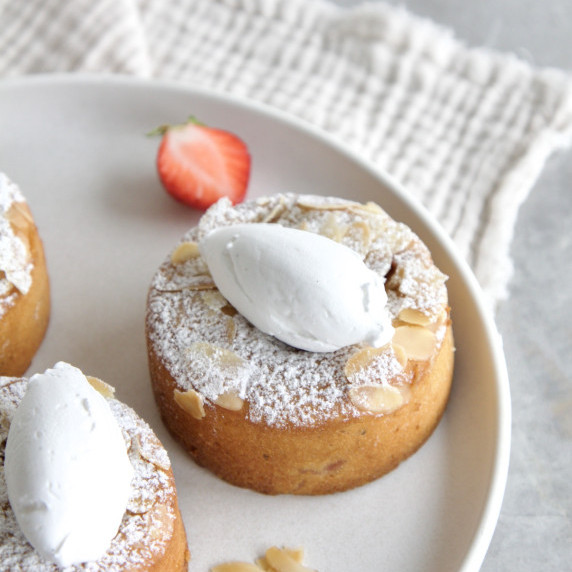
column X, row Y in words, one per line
column 198, row 164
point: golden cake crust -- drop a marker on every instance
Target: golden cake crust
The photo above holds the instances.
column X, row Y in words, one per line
column 151, row 536
column 337, row 455
column 275, row 419
column 24, row 315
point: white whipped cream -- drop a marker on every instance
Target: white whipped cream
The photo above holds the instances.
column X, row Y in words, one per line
column 300, row 287
column 67, row 470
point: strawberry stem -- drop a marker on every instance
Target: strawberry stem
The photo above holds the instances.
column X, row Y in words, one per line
column 162, row 129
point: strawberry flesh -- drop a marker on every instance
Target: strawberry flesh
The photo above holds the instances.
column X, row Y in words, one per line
column 199, row 165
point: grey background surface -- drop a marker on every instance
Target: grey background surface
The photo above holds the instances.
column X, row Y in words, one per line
column 534, row 531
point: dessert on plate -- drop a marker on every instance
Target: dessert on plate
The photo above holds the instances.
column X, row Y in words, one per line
column 84, row 482
column 24, row 285
column 299, row 344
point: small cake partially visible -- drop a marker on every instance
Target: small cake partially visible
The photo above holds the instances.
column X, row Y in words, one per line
column 300, row 344
column 97, row 495
column 24, row 284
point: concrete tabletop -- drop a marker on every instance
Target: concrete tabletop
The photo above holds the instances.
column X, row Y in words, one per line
column 534, row 531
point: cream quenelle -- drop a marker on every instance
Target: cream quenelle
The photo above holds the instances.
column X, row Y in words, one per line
column 303, row 288
column 67, row 470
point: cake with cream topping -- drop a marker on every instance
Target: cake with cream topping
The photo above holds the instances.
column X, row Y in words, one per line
column 278, row 361
column 24, row 285
column 84, row 482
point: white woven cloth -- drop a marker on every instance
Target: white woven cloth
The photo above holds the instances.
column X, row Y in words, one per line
column 466, row 131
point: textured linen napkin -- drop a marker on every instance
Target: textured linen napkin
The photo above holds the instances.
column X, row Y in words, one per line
column 466, row 131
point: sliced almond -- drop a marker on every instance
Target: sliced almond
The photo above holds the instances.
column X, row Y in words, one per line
column 230, row 400
column 414, row 316
column 262, row 563
column 333, row 229
column 418, row 342
column 236, row 567
column 230, row 326
column 275, row 213
column 191, row 401
column 214, row 299
column 152, row 452
column 377, row 398
column 282, row 560
column 308, row 204
column 400, row 354
column 140, row 504
column 439, row 321
column 296, row 553
column 161, row 523
column 201, row 285
column 19, row 215
column 362, row 229
column 21, row 221
column 185, row 251
column 362, row 359
column 101, row 387
column 369, row 207
column 219, row 356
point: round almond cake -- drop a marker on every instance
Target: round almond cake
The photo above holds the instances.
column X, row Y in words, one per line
column 276, row 419
column 151, row 535
column 24, row 285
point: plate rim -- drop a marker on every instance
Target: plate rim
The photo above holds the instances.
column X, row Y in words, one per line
column 503, row 414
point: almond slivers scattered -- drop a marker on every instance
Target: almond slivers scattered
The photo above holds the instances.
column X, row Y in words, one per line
column 218, row 356
column 230, row 400
column 414, row 316
column 19, row 215
column 275, row 213
column 305, row 203
column 333, row 229
column 101, row 387
column 282, row 560
column 418, row 342
column 230, row 326
column 400, row 354
column 369, row 207
column 152, row 453
column 191, row 401
column 236, row 567
column 363, row 230
column 185, row 251
column 377, row 398
column 275, row 560
column 21, row 222
column 214, row 299
column 201, row 285
column 361, row 359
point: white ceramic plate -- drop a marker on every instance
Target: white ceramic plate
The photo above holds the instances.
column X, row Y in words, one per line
column 78, row 149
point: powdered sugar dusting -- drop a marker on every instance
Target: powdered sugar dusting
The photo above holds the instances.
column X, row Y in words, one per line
column 150, row 513
column 385, row 367
column 283, row 385
column 15, row 266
